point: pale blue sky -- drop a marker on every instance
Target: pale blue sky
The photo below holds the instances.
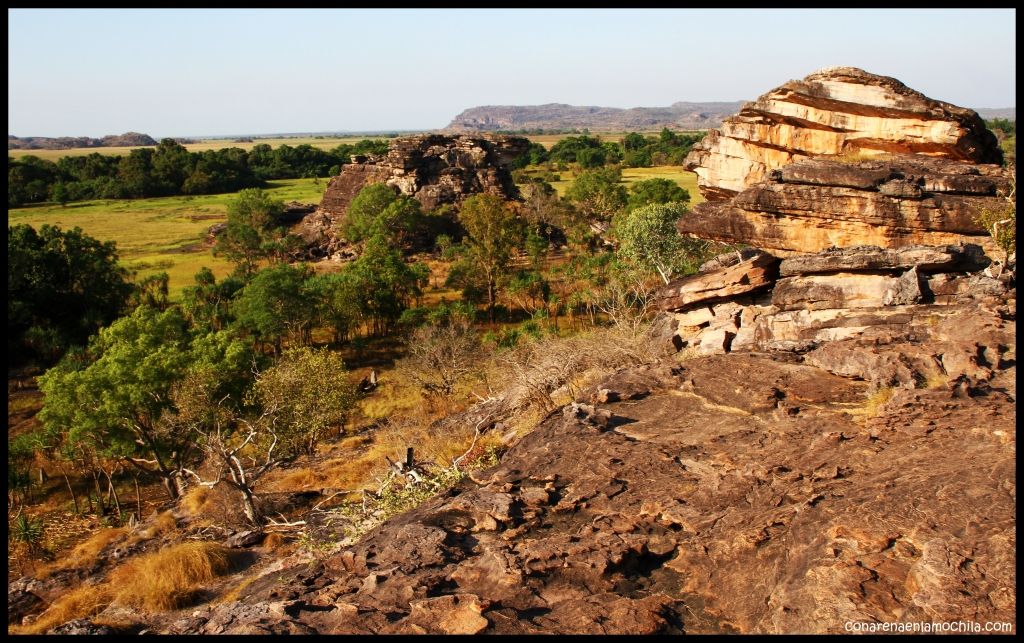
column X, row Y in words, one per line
column 220, row 72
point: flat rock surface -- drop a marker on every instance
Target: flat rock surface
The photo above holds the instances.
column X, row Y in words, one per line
column 736, row 493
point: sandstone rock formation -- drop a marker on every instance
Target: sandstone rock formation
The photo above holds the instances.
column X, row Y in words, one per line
column 815, row 204
column 834, row 111
column 433, row 169
column 845, row 158
column 833, row 295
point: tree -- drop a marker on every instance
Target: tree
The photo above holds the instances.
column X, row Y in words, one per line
column 304, row 395
column 568, row 149
column 535, row 155
column 207, row 305
column 112, row 398
column 598, row 193
column 651, row 191
column 380, row 209
column 634, row 141
column 493, row 233
column 62, row 286
column 648, row 236
column 544, row 211
column 152, row 291
column 291, row 406
column 254, row 231
column 386, row 285
column 29, row 179
column 1001, row 222
column 337, row 297
column 275, row 305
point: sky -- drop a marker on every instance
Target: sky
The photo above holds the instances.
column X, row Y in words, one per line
column 195, row 72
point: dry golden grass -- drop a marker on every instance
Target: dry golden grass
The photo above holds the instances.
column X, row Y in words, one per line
column 162, row 523
column 195, row 500
column 875, row 401
column 169, row 578
column 395, row 395
column 87, row 600
column 273, row 541
column 87, row 551
column 300, row 479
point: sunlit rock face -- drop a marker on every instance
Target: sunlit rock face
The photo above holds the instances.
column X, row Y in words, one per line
column 845, row 158
column 835, row 111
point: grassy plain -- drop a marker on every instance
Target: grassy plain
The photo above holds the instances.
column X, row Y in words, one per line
column 160, row 235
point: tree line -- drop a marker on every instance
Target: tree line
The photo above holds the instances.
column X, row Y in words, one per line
column 170, row 169
column 633, row 150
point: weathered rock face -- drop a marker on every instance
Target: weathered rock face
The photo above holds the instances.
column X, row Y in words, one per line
column 756, row 273
column 433, row 169
column 861, row 292
column 834, row 111
column 815, row 204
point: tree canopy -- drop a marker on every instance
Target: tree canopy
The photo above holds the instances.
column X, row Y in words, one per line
column 62, row 286
column 493, row 233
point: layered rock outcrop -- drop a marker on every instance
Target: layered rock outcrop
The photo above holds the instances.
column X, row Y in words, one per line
column 834, row 111
column 845, row 158
column 816, row 204
column 864, row 293
column 433, row 169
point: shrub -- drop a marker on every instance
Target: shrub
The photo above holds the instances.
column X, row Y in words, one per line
column 28, row 530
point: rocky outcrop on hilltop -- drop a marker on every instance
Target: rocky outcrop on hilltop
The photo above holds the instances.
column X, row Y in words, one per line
column 807, row 301
column 815, row 204
column 834, row 111
column 433, row 169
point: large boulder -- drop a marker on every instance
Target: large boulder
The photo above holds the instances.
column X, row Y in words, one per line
column 835, row 111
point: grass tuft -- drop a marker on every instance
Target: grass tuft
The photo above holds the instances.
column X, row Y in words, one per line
column 81, row 602
column 875, row 401
column 170, row 578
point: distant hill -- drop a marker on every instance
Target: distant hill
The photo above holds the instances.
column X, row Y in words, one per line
column 988, row 113
column 128, row 139
column 558, row 116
